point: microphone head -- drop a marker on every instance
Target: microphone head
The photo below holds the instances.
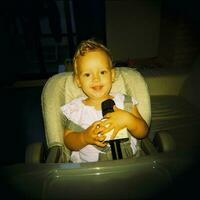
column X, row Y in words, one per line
column 107, row 106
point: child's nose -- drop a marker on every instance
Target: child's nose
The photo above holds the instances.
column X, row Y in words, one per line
column 96, row 77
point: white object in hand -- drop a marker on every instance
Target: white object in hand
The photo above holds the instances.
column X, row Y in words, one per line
column 122, row 134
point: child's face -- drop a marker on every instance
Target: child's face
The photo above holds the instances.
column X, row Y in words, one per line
column 95, row 74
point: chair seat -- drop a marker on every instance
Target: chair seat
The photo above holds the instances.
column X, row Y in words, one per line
column 172, row 107
column 179, row 117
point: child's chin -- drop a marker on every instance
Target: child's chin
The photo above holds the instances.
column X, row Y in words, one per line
column 100, row 96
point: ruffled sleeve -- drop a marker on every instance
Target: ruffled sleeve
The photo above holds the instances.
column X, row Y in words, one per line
column 81, row 114
column 73, row 110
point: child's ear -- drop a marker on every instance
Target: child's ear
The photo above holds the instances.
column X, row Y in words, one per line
column 113, row 74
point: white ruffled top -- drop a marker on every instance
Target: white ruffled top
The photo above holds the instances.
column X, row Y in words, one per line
column 84, row 115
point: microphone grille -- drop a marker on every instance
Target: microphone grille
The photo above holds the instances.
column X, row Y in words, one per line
column 107, row 106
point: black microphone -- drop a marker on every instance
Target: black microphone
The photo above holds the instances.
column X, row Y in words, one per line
column 107, row 107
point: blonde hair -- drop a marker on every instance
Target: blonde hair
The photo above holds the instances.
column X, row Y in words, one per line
column 88, row 46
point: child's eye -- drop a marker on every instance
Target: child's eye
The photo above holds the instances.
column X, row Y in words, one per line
column 86, row 74
column 103, row 72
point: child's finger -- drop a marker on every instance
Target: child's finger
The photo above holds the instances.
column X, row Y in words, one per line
column 106, row 122
column 99, row 131
column 114, row 134
column 101, row 138
column 100, row 144
column 95, row 125
column 108, row 115
column 108, row 129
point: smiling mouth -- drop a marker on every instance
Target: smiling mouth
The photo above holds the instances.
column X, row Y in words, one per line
column 97, row 88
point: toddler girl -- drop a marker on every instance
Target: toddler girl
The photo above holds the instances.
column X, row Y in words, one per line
column 94, row 74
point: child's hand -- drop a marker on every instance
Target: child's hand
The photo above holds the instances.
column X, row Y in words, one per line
column 116, row 120
column 93, row 134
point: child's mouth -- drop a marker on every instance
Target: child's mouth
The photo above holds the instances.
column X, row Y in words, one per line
column 97, row 87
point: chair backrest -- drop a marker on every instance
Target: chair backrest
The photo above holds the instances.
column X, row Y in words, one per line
column 61, row 89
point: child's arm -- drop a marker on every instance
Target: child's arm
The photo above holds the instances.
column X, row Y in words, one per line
column 77, row 140
column 122, row 119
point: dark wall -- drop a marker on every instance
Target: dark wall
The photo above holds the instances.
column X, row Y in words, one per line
column 21, row 122
column 90, row 19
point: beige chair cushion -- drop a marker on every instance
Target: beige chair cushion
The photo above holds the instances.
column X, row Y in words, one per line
column 61, row 89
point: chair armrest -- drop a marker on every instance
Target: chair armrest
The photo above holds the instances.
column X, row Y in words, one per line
column 34, row 153
column 164, row 142
column 148, row 147
column 54, row 155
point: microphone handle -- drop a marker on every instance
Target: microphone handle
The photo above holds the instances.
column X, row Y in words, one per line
column 107, row 106
column 115, row 149
column 119, row 152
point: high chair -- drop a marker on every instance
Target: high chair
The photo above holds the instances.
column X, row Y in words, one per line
column 61, row 89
